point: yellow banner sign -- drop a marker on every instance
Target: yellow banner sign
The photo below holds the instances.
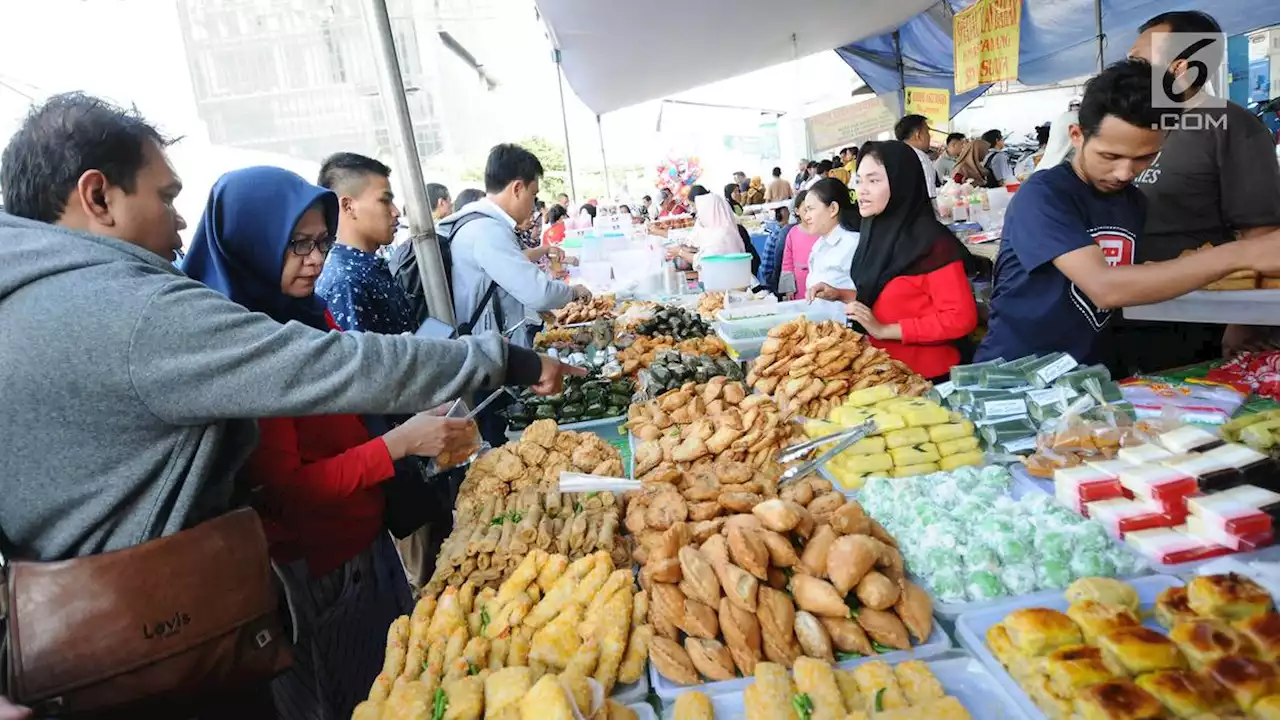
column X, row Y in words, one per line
column 933, row 103
column 987, row 37
column 849, row 125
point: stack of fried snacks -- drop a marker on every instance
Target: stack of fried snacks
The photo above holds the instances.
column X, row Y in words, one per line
column 536, row 460
column 644, row 350
column 493, row 534
column 810, row 368
column 581, row 311
column 874, row 690
column 490, row 650
column 698, row 425
column 710, row 303
column 800, row 572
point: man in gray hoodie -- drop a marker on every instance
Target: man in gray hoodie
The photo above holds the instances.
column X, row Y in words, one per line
column 486, row 251
column 127, row 385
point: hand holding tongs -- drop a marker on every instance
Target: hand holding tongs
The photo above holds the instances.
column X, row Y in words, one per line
column 843, row 439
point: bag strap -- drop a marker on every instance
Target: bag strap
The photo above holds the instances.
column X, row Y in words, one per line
column 467, row 327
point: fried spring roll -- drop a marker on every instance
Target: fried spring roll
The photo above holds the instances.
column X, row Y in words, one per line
column 466, row 699
column 503, row 689
column 397, row 647
column 632, row 668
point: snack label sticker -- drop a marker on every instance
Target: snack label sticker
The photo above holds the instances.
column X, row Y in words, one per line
column 1001, row 408
column 1050, row 396
column 1056, row 369
column 945, row 389
column 1023, row 445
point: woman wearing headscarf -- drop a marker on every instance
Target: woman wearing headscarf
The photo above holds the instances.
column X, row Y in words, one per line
column 733, row 196
column 316, row 481
column 755, row 191
column 969, row 163
column 715, row 232
column 912, row 293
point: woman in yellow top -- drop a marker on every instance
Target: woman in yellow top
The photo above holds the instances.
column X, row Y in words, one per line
column 755, row 192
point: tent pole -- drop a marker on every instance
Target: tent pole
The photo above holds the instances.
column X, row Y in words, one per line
column 604, row 162
column 902, row 75
column 421, row 228
column 1097, row 18
column 564, row 118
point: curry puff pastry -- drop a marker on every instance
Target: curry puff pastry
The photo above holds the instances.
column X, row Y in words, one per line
column 1075, row 667
column 1107, row 591
column 1139, row 650
column 1204, row 640
column 1187, row 694
column 1247, row 679
column 1117, row 700
column 1229, row 597
column 1097, row 619
column 1172, row 606
column 1001, row 646
column 1264, row 632
column 1039, row 631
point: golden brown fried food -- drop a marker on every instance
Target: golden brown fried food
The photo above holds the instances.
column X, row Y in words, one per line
column 673, row 661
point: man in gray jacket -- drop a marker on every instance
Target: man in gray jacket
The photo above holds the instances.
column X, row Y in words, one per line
column 126, row 384
column 486, row 251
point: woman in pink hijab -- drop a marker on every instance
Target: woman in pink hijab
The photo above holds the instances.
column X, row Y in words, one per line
column 715, row 232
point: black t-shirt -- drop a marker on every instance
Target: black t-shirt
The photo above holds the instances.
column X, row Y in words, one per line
column 1216, row 174
column 1034, row 307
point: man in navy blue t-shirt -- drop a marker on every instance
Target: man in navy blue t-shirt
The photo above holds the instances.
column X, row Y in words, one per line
column 1066, row 257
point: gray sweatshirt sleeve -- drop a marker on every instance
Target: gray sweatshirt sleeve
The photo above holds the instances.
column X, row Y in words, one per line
column 520, row 277
column 196, row 357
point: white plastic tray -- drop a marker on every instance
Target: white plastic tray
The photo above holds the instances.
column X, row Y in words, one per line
column 643, row 710
column 667, row 691
column 749, row 346
column 971, row 629
column 758, row 309
column 1237, row 307
column 961, row 676
column 635, row 692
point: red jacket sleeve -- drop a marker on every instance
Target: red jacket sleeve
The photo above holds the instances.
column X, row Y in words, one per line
column 952, row 313
column 278, row 465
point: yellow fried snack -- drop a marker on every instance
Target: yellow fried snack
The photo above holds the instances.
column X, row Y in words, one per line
column 918, row 683
column 456, row 644
column 849, row 691
column 466, row 699
column 504, row 688
column 476, row 652
column 617, row 711
column 509, row 615
column 551, row 571
column 579, row 690
column 518, row 655
column 585, row 659
column 467, row 596
column 693, row 706
column 546, row 700
column 397, row 642
column 770, row 697
column 380, row 689
column 498, row 651
column 637, row 652
column 616, row 581
column 558, row 596
column 815, row 679
column 448, row 615
column 879, row 687
column 558, row 640
column 594, row 580
column 368, row 710
column 614, row 625
column 524, row 574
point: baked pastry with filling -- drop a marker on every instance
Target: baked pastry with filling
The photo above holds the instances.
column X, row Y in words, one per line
column 1229, row 596
column 1172, row 606
column 1264, row 632
column 1097, row 619
column 1039, row 631
column 1247, row 679
column 1118, row 700
column 1204, row 640
column 1138, row 650
column 1187, row 694
column 1108, row 591
column 1075, row 667
column 1050, row 703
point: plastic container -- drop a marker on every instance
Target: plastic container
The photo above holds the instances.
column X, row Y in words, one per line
column 726, row 272
column 745, row 337
column 609, row 429
column 667, row 691
column 971, row 630
column 761, row 308
column 643, row 710
column 960, row 675
column 1237, row 307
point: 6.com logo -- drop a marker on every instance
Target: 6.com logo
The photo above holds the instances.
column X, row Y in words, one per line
column 1182, row 81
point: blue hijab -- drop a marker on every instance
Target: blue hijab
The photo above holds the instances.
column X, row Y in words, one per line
column 242, row 237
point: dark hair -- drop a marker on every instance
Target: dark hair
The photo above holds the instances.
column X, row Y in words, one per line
column 1123, row 90
column 435, row 193
column 466, row 197
column 781, row 213
column 61, row 140
column 830, row 190
column 910, row 125
column 777, row 172
column 589, row 209
column 799, row 198
column 729, row 190
column 813, row 164
column 646, row 199
column 343, row 171
column 955, row 137
column 556, row 214
column 853, row 150
column 824, row 167
column 991, row 137
column 508, row 163
column 1042, row 134
column 539, row 204
column 624, row 209
column 697, row 190
column 1191, row 21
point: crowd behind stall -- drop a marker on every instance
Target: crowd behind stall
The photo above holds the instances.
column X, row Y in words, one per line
column 265, row 425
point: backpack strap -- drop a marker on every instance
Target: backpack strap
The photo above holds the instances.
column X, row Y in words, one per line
column 489, row 294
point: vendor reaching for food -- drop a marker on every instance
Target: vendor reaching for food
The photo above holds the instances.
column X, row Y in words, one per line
column 1066, row 259
column 715, row 232
column 913, row 297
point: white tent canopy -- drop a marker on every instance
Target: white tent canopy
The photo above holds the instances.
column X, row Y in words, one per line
column 617, row 54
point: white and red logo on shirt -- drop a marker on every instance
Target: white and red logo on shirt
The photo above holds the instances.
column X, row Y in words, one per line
column 1117, row 244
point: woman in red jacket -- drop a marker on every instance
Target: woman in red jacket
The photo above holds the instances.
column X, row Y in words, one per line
column 912, row 295
column 316, row 481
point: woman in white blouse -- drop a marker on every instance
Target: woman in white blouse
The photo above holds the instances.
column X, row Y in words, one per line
column 832, row 216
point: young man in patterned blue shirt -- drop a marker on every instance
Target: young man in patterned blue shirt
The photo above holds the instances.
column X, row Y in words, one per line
column 356, row 284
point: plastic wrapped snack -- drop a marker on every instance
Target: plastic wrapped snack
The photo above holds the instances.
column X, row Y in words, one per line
column 985, row 585
column 1019, row 579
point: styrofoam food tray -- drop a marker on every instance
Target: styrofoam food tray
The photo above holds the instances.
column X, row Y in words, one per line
column 960, row 676
column 757, row 309
column 667, row 691
column 1237, row 307
column 971, row 629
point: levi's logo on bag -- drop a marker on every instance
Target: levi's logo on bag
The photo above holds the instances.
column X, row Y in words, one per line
column 166, row 628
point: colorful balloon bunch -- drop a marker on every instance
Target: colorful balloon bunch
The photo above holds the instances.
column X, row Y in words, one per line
column 678, row 175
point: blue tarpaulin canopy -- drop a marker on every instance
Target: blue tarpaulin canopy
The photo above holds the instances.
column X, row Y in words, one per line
column 1059, row 40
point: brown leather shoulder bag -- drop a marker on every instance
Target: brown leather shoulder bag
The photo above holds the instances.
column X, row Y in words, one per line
column 168, row 622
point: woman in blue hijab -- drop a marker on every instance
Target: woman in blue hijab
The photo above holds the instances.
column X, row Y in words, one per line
column 316, row 481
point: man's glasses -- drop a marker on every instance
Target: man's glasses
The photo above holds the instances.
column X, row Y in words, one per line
column 305, row 247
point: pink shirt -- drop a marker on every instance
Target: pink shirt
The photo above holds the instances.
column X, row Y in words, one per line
column 795, row 256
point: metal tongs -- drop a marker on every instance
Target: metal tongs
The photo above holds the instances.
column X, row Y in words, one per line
column 843, row 440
